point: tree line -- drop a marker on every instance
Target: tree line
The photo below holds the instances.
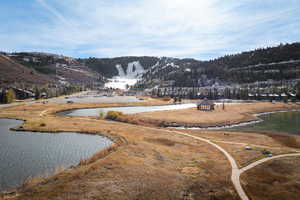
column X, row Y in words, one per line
column 10, row 95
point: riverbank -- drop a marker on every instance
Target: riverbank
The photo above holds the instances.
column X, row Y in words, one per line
column 153, row 163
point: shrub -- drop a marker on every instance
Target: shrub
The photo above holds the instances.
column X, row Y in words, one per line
column 9, row 96
column 113, row 115
column 101, row 114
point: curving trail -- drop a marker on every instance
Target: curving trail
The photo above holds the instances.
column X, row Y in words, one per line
column 250, row 166
column 43, row 113
column 235, row 171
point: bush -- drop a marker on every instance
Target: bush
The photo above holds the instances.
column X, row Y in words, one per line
column 101, row 114
column 9, row 96
column 113, row 115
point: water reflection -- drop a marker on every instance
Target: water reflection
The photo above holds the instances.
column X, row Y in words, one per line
column 279, row 122
column 126, row 110
column 27, row 154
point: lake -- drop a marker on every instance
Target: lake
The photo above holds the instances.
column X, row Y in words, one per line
column 288, row 122
column 126, row 109
column 29, row 154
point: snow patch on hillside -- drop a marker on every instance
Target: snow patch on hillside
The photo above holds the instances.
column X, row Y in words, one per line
column 154, row 66
column 133, row 73
column 120, row 70
column 134, row 69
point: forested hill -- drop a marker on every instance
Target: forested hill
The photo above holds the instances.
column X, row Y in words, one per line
column 264, row 55
column 281, row 63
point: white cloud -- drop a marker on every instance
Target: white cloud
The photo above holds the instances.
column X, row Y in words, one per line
column 157, row 27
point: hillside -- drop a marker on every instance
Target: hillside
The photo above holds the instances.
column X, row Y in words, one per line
column 261, row 66
column 264, row 66
column 107, row 66
column 12, row 72
column 64, row 70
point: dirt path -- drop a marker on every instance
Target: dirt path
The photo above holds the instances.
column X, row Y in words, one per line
column 252, row 165
column 253, row 145
column 43, row 113
column 235, row 171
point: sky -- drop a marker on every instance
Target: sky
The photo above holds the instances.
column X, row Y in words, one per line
column 200, row 29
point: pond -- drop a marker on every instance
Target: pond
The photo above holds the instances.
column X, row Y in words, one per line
column 29, row 154
column 126, row 110
column 288, row 122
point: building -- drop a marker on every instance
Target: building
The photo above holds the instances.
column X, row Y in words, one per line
column 206, row 105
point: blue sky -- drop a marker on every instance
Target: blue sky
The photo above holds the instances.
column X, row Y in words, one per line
column 201, row 29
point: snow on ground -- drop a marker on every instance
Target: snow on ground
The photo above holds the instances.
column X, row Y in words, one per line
column 134, row 69
column 120, row 70
column 123, row 80
column 118, row 82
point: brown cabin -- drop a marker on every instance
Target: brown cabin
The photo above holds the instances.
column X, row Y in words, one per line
column 206, row 105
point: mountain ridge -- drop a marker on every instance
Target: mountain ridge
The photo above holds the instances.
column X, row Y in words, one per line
column 265, row 64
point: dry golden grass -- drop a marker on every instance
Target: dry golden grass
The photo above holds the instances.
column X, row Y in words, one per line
column 276, row 179
column 235, row 143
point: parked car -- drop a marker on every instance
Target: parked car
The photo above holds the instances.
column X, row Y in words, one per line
column 267, row 153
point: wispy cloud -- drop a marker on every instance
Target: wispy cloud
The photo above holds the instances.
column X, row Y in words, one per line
column 52, row 10
column 191, row 28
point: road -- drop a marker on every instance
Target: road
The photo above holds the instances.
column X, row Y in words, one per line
column 82, row 97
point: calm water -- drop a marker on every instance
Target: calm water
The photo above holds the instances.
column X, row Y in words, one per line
column 126, row 110
column 279, row 122
column 28, row 154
